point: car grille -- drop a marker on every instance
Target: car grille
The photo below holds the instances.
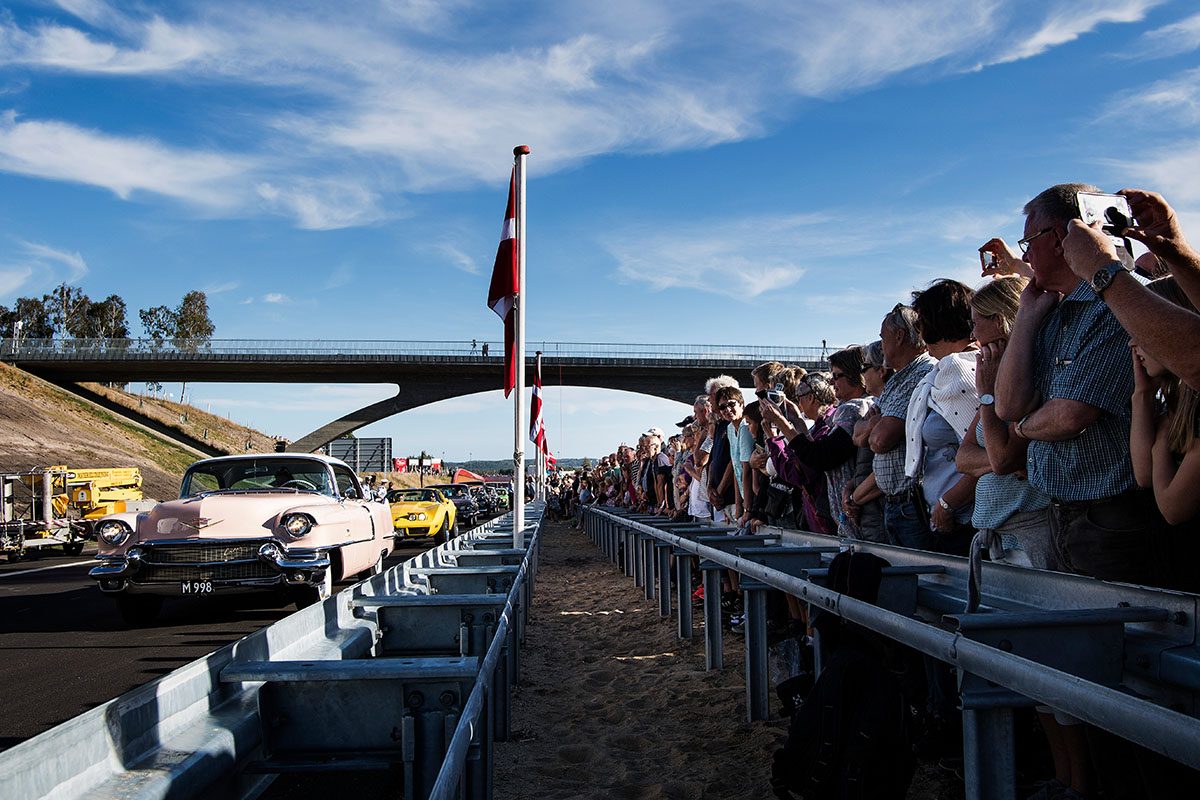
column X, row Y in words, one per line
column 202, row 552
column 160, row 573
column 417, row 530
column 220, row 561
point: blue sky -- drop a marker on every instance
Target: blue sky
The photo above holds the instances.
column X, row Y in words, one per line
column 337, row 171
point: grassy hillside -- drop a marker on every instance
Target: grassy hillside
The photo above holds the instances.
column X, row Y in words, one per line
column 41, row 426
column 215, row 430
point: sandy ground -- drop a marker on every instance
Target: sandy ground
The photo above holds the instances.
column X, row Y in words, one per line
column 613, row 705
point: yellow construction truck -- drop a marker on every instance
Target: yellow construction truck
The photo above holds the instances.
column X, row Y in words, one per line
column 57, row 506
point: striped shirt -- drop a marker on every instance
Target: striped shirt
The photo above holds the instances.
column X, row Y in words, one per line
column 893, row 402
column 1082, row 354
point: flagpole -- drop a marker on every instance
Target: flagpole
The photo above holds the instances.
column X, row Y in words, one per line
column 521, row 153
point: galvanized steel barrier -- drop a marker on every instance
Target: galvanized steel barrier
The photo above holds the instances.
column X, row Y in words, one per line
column 409, row 671
column 1121, row 657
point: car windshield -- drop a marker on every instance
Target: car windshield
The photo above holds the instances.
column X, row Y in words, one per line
column 454, row 491
column 249, row 474
column 412, row 496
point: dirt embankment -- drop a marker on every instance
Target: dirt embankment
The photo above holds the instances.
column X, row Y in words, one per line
column 41, row 426
column 200, row 425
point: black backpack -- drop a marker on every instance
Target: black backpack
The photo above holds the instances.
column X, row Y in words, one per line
column 850, row 739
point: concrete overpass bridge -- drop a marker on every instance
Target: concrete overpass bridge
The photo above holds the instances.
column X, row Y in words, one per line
column 423, row 372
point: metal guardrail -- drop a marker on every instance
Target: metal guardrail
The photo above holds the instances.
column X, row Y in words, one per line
column 1040, row 636
column 148, row 349
column 201, row 730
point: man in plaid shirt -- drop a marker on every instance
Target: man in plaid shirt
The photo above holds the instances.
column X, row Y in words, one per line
column 1065, row 382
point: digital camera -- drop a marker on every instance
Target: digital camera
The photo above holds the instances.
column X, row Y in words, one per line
column 1113, row 214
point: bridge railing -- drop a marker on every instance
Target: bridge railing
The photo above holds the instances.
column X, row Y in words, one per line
column 149, row 349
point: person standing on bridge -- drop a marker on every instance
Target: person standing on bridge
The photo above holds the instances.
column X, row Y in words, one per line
column 484, row 351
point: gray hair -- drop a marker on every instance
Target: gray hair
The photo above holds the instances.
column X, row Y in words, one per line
column 820, row 385
column 701, row 399
column 1057, row 204
column 873, row 353
column 720, row 382
column 904, row 318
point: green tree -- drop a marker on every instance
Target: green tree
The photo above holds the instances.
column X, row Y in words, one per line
column 193, row 328
column 587, row 463
column 106, row 319
column 34, row 317
column 67, row 306
column 158, row 324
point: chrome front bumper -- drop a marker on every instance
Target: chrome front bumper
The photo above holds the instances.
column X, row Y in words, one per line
column 137, row 572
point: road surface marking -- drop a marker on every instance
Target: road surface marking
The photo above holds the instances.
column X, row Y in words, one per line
column 43, row 569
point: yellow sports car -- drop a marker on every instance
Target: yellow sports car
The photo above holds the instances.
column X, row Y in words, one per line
column 422, row 514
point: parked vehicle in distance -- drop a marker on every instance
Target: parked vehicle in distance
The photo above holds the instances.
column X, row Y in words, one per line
column 422, row 514
column 487, row 501
column 265, row 522
column 504, row 495
column 469, row 511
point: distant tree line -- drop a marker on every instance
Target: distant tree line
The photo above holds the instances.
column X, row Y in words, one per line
column 68, row 313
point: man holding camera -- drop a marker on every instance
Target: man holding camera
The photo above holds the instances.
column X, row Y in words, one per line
column 1064, row 382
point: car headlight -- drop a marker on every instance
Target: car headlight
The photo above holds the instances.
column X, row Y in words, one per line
column 421, row 516
column 296, row 524
column 114, row 532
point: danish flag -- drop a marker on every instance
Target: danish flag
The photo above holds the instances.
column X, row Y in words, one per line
column 537, row 427
column 505, row 286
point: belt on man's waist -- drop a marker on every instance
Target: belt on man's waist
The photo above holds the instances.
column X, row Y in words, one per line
column 1133, row 494
column 903, row 496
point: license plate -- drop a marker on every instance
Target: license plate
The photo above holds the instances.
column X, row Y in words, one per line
column 195, row 587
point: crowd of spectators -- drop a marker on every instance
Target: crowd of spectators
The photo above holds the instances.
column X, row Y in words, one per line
column 1047, row 417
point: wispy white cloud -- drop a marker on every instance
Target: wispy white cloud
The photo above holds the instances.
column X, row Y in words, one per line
column 75, row 266
column 1178, row 37
column 13, row 279
column 406, row 96
column 342, row 275
column 123, row 165
column 457, row 257
column 322, row 204
column 1169, row 103
column 36, row 266
column 276, row 298
column 1066, row 22
column 222, row 288
column 740, row 258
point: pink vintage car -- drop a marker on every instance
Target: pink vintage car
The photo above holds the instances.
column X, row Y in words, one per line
column 277, row 521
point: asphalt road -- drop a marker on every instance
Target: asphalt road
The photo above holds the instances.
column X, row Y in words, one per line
column 64, row 649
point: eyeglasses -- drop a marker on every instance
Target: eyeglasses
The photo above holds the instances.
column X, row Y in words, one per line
column 836, row 375
column 729, row 406
column 870, row 366
column 1024, row 243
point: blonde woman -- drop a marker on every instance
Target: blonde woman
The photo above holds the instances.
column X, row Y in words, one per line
column 1010, row 511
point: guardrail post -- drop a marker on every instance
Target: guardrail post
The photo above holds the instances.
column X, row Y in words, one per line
column 628, row 537
column 646, row 545
column 663, row 551
column 639, row 571
column 713, row 656
column 754, row 603
column 683, row 591
column 989, row 766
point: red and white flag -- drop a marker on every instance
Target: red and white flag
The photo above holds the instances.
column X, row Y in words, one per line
column 537, row 427
column 506, row 279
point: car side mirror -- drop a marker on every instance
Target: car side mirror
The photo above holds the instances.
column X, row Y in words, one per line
column 351, row 494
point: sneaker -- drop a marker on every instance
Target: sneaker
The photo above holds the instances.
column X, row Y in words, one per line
column 737, row 624
column 698, row 596
column 1051, row 790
